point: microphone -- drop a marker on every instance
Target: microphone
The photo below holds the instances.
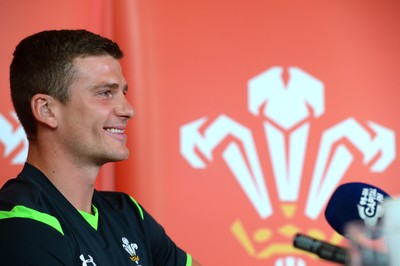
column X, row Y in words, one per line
column 340, row 255
column 323, row 249
column 355, row 202
column 350, row 202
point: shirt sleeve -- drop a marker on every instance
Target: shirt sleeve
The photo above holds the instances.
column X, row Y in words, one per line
column 164, row 250
column 29, row 242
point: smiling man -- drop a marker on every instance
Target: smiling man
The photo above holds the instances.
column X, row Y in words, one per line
column 69, row 93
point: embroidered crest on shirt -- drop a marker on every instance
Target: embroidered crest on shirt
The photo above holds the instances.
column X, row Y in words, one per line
column 131, row 249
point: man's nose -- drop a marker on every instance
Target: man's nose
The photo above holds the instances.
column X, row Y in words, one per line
column 124, row 108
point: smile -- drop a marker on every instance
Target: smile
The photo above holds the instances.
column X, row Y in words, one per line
column 115, row 130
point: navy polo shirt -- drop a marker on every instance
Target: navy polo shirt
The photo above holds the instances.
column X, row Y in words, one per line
column 39, row 226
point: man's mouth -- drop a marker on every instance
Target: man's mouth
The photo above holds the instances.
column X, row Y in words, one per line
column 115, row 130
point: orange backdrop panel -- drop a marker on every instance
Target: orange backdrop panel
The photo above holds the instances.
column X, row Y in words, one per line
column 187, row 61
column 194, row 60
column 19, row 19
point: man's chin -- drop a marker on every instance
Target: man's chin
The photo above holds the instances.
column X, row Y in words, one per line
column 114, row 158
column 119, row 158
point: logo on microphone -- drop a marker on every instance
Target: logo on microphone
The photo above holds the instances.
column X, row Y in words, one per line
column 287, row 110
column 370, row 206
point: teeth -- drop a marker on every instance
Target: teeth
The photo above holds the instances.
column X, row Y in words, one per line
column 115, row 130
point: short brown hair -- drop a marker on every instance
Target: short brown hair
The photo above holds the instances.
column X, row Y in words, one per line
column 43, row 63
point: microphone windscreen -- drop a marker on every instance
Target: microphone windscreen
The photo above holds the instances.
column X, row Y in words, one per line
column 355, row 202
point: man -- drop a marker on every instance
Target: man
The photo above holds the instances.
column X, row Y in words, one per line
column 68, row 91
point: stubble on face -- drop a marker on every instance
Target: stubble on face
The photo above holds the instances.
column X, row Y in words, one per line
column 92, row 127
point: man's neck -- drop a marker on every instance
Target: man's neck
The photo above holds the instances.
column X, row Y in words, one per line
column 75, row 182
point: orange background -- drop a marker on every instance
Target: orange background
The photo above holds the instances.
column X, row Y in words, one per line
column 189, row 59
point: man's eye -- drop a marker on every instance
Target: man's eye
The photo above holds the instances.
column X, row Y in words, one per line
column 106, row 93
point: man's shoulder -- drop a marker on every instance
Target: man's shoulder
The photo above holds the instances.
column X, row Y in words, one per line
column 26, row 189
column 33, row 240
column 18, row 191
column 21, row 199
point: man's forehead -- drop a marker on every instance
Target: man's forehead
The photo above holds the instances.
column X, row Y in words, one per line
column 98, row 71
column 91, row 58
column 95, row 64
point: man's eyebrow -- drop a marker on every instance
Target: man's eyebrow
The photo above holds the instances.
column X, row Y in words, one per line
column 111, row 86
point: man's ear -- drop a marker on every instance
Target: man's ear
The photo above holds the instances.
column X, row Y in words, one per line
column 42, row 108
